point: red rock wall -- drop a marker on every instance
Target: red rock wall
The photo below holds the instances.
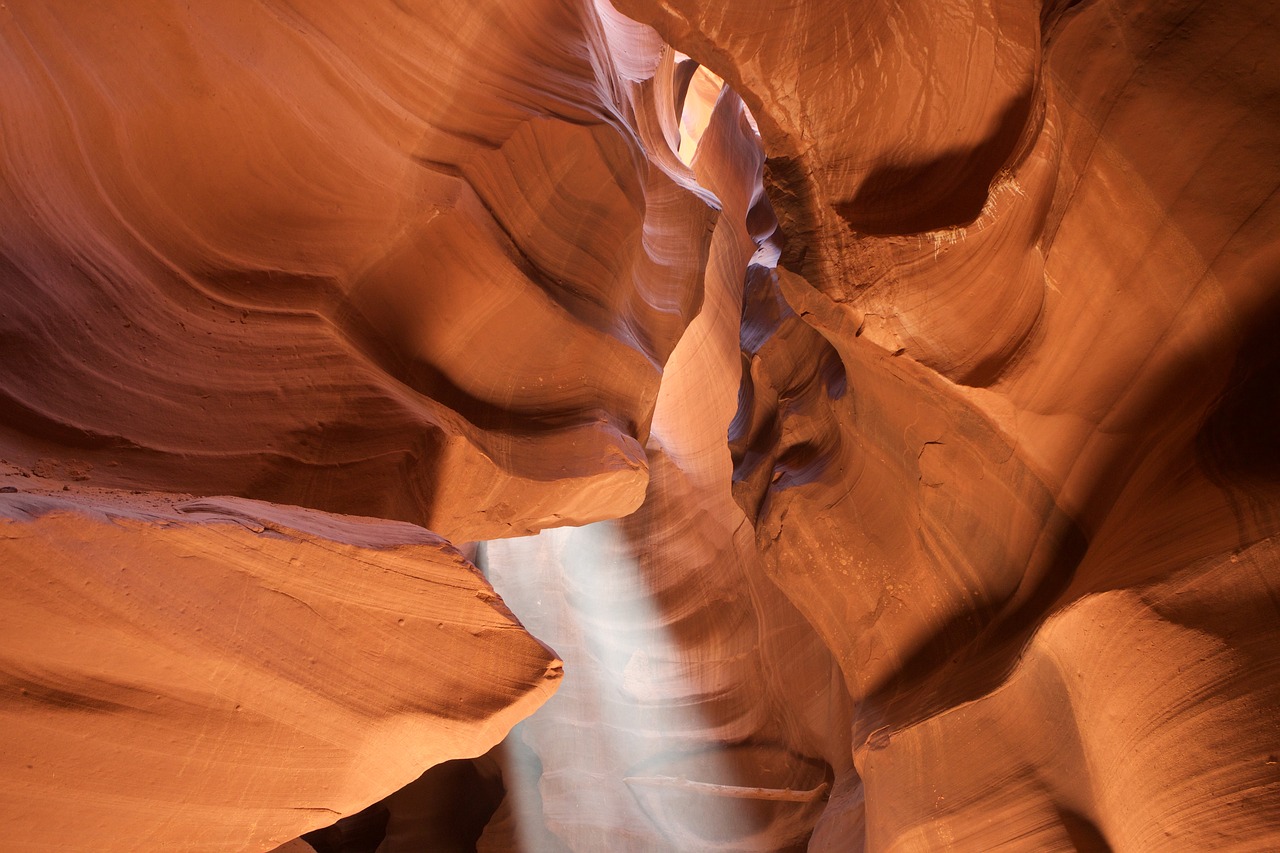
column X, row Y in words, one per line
column 225, row 674
column 995, row 418
column 918, row 427
column 413, row 263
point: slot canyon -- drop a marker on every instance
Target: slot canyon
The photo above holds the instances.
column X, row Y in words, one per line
column 564, row 426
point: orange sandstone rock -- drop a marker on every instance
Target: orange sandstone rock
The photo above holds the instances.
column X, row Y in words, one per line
column 223, row 674
column 921, row 380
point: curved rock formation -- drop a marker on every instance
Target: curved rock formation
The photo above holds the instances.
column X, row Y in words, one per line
column 902, row 373
column 225, row 674
column 407, row 263
column 991, row 388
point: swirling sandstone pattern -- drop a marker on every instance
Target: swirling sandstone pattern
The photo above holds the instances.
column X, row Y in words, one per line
column 991, row 430
column 913, row 399
column 286, row 251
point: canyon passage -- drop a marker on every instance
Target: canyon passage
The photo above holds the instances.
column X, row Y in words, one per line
column 563, row 425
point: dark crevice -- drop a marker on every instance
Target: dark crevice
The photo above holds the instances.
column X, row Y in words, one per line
column 949, row 190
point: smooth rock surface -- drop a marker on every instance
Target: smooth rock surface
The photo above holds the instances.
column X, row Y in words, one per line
column 222, row 674
column 402, row 262
column 996, row 405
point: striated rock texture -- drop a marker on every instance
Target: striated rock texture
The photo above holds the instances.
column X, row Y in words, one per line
column 998, row 428
column 224, row 674
column 902, row 375
column 406, row 262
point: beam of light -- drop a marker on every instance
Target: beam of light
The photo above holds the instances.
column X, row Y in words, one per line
column 628, row 761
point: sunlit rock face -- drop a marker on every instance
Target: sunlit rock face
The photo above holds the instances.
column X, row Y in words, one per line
column 871, row 403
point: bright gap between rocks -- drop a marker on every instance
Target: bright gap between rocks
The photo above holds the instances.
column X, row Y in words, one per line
column 627, row 702
column 700, row 100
